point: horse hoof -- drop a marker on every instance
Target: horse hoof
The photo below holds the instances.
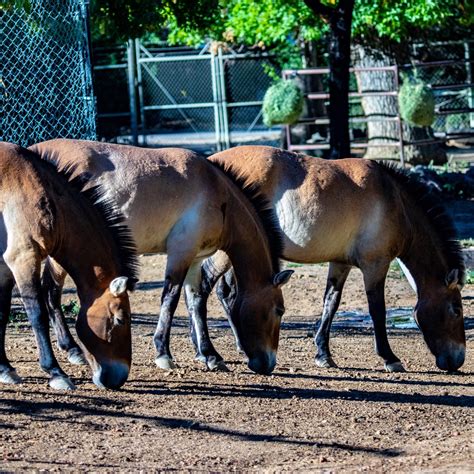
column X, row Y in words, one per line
column 165, row 363
column 325, row 362
column 10, row 376
column 395, row 367
column 200, row 358
column 76, row 357
column 217, row 366
column 61, row 382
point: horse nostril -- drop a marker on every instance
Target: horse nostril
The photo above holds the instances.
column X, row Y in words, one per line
column 111, row 375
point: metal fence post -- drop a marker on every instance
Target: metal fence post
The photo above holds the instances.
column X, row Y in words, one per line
column 399, row 118
column 131, row 68
column 141, row 100
column 225, row 116
column 469, row 79
column 215, row 98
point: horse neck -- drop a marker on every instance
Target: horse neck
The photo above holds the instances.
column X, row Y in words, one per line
column 247, row 246
column 424, row 259
column 84, row 251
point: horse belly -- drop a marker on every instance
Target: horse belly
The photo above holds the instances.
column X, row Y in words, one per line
column 311, row 235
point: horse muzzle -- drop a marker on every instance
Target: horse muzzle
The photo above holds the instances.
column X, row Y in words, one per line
column 451, row 359
column 263, row 362
column 111, row 375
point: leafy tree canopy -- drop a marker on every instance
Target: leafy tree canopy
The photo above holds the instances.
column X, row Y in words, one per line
column 282, row 24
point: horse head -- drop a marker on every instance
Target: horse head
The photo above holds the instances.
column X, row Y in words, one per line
column 257, row 319
column 104, row 329
column 440, row 318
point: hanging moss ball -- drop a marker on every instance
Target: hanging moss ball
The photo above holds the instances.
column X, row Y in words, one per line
column 417, row 103
column 282, row 104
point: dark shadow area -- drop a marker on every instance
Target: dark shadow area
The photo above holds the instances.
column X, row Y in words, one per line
column 277, row 392
column 149, row 285
column 398, row 381
column 48, row 411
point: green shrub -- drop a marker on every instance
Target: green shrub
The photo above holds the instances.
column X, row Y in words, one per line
column 417, row 103
column 282, row 104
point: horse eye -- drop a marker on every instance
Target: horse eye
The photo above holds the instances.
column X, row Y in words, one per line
column 280, row 311
column 457, row 312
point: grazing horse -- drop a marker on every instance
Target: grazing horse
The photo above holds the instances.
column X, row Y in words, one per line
column 355, row 212
column 180, row 204
column 45, row 212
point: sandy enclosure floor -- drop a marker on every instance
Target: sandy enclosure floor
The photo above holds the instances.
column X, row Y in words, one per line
column 353, row 418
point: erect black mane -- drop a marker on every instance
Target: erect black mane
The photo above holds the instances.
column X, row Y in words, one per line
column 430, row 201
column 113, row 219
column 263, row 208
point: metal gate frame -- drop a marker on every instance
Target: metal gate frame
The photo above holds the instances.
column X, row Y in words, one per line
column 139, row 59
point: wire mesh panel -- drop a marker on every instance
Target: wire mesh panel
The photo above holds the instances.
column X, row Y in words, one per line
column 45, row 79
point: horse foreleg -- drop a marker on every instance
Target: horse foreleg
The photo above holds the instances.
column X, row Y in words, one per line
column 7, row 372
column 52, row 283
column 337, row 276
column 25, row 266
column 198, row 285
column 374, row 289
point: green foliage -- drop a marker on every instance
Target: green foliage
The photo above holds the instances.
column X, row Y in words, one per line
column 276, row 25
column 417, row 103
column 120, row 20
column 282, row 104
column 470, row 277
column 72, row 308
column 406, row 20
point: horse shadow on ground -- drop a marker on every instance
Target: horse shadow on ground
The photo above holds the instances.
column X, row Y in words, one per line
column 277, row 392
column 83, row 408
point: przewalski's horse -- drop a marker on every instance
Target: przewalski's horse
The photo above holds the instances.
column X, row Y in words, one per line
column 361, row 213
column 44, row 212
column 180, row 204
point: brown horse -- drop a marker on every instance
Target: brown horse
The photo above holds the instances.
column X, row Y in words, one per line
column 180, row 204
column 361, row 213
column 44, row 212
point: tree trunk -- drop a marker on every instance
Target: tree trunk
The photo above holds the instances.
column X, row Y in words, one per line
column 381, row 133
column 339, row 63
column 340, row 19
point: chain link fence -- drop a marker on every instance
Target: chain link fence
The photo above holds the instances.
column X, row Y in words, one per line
column 45, row 76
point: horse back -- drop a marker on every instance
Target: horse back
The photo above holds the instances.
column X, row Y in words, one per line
column 162, row 192
column 328, row 210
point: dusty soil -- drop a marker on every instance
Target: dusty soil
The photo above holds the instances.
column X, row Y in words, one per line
column 353, row 418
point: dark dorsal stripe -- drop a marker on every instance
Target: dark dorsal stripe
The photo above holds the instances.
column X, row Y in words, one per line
column 430, row 201
column 112, row 218
column 262, row 207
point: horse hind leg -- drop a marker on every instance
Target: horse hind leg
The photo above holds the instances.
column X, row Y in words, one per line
column 52, row 284
column 177, row 267
column 198, row 285
column 374, row 281
column 7, row 372
column 337, row 276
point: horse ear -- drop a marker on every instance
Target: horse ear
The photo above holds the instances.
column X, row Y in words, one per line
column 452, row 279
column 118, row 286
column 281, row 278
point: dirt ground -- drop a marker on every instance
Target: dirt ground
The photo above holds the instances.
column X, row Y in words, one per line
column 354, row 418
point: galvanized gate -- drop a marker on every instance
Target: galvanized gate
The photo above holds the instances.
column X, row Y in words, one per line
column 204, row 100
